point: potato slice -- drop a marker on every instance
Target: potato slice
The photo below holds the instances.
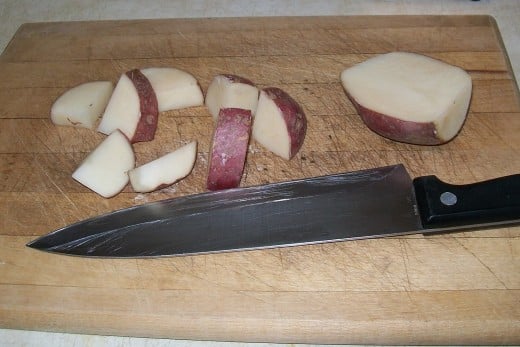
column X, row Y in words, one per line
column 164, row 171
column 231, row 91
column 229, row 148
column 280, row 124
column 82, row 105
column 132, row 109
column 174, row 88
column 409, row 97
column 105, row 169
column 148, row 107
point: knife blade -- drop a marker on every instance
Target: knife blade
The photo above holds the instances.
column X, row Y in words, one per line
column 356, row 205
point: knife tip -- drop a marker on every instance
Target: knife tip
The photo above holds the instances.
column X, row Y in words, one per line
column 36, row 244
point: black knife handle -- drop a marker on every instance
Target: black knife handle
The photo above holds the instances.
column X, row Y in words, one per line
column 443, row 205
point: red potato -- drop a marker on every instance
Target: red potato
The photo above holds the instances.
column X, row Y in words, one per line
column 280, row 124
column 105, row 169
column 174, row 88
column 149, row 109
column 82, row 105
column 132, row 109
column 409, row 97
column 229, row 148
column 231, row 91
column 122, row 112
column 164, row 171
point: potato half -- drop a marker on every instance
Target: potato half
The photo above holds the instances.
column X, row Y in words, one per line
column 409, row 97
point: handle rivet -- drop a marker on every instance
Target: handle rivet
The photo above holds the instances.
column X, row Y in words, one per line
column 448, row 198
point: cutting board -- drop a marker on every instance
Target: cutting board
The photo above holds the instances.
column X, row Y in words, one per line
column 455, row 288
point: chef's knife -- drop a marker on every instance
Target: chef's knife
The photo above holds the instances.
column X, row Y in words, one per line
column 363, row 204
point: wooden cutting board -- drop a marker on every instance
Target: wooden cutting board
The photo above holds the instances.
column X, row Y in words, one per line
column 457, row 288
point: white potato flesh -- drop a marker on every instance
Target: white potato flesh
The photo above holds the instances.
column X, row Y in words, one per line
column 229, row 91
column 165, row 170
column 410, row 88
column 174, row 88
column 105, row 169
column 82, row 105
column 123, row 109
column 270, row 129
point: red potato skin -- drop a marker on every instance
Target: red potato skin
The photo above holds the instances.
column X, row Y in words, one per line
column 149, row 107
column 229, row 148
column 396, row 129
column 238, row 79
column 293, row 115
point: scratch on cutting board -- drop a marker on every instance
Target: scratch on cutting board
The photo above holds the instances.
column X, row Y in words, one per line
column 189, row 261
column 408, row 290
column 404, row 254
column 181, row 35
column 56, row 186
column 382, row 267
column 258, row 279
column 280, row 258
column 481, row 262
column 510, row 244
column 250, row 295
column 138, row 267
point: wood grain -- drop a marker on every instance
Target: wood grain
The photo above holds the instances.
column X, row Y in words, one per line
column 459, row 288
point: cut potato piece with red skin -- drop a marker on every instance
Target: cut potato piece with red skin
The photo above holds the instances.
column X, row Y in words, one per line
column 123, row 109
column 164, row 171
column 229, row 148
column 280, row 124
column 174, row 88
column 231, row 91
column 132, row 109
column 82, row 105
column 149, row 110
column 409, row 97
column 105, row 169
